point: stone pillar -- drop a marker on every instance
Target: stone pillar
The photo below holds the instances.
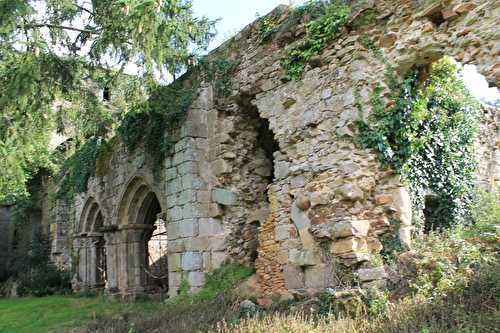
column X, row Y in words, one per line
column 135, row 261
column 112, row 243
column 81, row 246
column 93, row 240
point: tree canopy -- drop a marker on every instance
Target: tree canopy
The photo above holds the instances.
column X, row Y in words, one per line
column 65, row 51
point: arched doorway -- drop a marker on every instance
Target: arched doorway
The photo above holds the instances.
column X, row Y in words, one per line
column 92, row 263
column 144, row 267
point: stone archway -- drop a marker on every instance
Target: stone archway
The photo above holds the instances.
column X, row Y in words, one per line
column 91, row 249
column 139, row 218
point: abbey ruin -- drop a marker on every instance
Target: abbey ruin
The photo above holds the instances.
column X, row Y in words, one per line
column 270, row 176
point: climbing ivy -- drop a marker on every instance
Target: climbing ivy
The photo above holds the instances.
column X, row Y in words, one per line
column 428, row 137
column 328, row 18
column 217, row 72
column 153, row 121
column 78, row 168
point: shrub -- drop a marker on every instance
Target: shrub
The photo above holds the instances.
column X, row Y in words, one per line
column 33, row 271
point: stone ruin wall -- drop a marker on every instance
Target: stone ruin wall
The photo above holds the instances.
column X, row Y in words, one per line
column 329, row 200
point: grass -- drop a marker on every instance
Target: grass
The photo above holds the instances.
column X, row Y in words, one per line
column 56, row 313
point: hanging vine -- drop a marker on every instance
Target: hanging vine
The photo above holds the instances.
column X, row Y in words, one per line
column 427, row 137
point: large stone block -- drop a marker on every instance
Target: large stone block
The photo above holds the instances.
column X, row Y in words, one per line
column 300, row 218
column 174, row 262
column 304, row 258
column 316, row 277
column 346, row 245
column 220, row 167
column 192, row 261
column 196, row 279
column 223, row 197
column 402, row 203
column 209, row 226
column 294, row 277
column 370, row 274
column 358, row 228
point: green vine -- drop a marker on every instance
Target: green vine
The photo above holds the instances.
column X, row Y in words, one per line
column 267, row 28
column 217, row 72
column 78, row 168
column 328, row 19
column 427, row 137
column 154, row 121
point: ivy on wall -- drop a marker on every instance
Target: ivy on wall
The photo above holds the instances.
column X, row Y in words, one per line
column 78, row 168
column 428, row 137
column 154, row 121
column 327, row 20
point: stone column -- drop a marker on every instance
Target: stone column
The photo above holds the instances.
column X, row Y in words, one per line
column 78, row 248
column 82, row 250
column 135, row 260
column 93, row 240
column 112, row 243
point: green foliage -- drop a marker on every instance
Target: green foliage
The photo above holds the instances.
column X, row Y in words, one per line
column 35, row 274
column 45, row 57
column 154, row 122
column 428, row 137
column 20, row 212
column 267, row 28
column 78, row 168
column 220, row 280
column 329, row 17
column 217, row 72
column 448, row 261
column 486, row 216
column 224, row 278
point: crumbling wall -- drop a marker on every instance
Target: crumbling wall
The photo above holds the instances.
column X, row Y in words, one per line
column 329, row 191
column 328, row 201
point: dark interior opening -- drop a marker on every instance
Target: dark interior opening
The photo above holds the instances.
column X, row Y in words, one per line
column 106, row 94
column 432, row 213
column 265, row 137
column 437, row 18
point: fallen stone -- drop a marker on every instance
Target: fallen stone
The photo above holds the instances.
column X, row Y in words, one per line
column 248, row 305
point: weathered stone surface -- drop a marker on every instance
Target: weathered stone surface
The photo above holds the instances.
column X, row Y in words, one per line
column 300, row 218
column 346, row 245
column 227, row 144
column 294, row 277
column 464, row 7
column 349, row 192
column 321, row 232
column 351, row 228
column 223, row 197
column 370, row 274
column 402, row 203
column 304, row 258
column 191, row 261
column 303, row 202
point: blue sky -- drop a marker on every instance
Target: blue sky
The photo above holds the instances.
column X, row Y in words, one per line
column 235, row 14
